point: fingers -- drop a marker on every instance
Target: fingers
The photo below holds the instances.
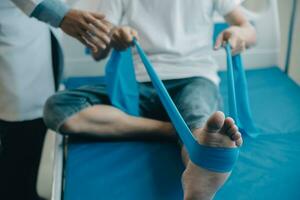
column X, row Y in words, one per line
column 102, row 39
column 99, row 24
column 233, row 42
column 134, row 34
column 84, row 38
column 97, row 32
column 126, row 35
column 219, row 41
column 230, row 36
column 236, row 43
column 238, row 47
column 91, row 41
column 94, row 31
column 89, row 28
column 222, row 39
column 122, row 37
column 98, row 16
column 117, row 42
column 85, row 42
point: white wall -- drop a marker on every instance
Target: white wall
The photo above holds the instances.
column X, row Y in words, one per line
column 285, row 7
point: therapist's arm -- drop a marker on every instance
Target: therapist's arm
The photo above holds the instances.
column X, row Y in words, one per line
column 87, row 27
column 240, row 35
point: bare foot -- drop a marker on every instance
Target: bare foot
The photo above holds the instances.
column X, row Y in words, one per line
column 200, row 183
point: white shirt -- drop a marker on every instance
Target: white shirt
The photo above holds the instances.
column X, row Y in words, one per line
column 27, row 6
column 26, row 76
column 176, row 34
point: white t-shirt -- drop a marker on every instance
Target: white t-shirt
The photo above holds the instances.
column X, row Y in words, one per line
column 175, row 34
column 26, row 76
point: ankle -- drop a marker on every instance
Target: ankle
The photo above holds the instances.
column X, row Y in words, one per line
column 167, row 129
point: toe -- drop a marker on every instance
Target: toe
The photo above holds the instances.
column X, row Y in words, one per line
column 215, row 122
column 232, row 131
column 239, row 142
column 228, row 123
column 236, row 136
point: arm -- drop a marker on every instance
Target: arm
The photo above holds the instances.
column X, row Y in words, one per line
column 240, row 35
column 87, row 27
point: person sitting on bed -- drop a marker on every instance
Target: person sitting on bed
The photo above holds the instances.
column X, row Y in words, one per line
column 177, row 37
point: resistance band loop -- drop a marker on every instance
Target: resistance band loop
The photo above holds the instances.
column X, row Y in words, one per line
column 212, row 158
column 123, row 92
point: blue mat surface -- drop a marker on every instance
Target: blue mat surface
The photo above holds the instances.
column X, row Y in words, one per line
column 268, row 167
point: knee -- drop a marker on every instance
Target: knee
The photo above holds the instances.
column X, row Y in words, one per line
column 71, row 125
column 52, row 113
column 56, row 117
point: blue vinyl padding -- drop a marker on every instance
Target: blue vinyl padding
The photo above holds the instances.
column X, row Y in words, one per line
column 268, row 166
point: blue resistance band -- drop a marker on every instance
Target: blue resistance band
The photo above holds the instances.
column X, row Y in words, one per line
column 239, row 107
column 121, row 84
column 123, row 93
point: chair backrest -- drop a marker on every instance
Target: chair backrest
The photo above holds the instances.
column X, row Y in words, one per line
column 265, row 53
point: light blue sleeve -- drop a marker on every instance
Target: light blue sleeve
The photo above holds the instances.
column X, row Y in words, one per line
column 50, row 11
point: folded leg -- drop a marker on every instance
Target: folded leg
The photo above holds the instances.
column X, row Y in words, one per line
column 87, row 111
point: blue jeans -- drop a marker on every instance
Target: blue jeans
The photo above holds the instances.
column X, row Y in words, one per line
column 196, row 99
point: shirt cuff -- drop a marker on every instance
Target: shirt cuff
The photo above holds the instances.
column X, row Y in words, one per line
column 50, row 11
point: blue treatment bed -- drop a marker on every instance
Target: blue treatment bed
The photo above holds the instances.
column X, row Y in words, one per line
column 268, row 167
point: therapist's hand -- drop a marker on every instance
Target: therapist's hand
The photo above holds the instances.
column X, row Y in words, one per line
column 89, row 28
column 122, row 37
